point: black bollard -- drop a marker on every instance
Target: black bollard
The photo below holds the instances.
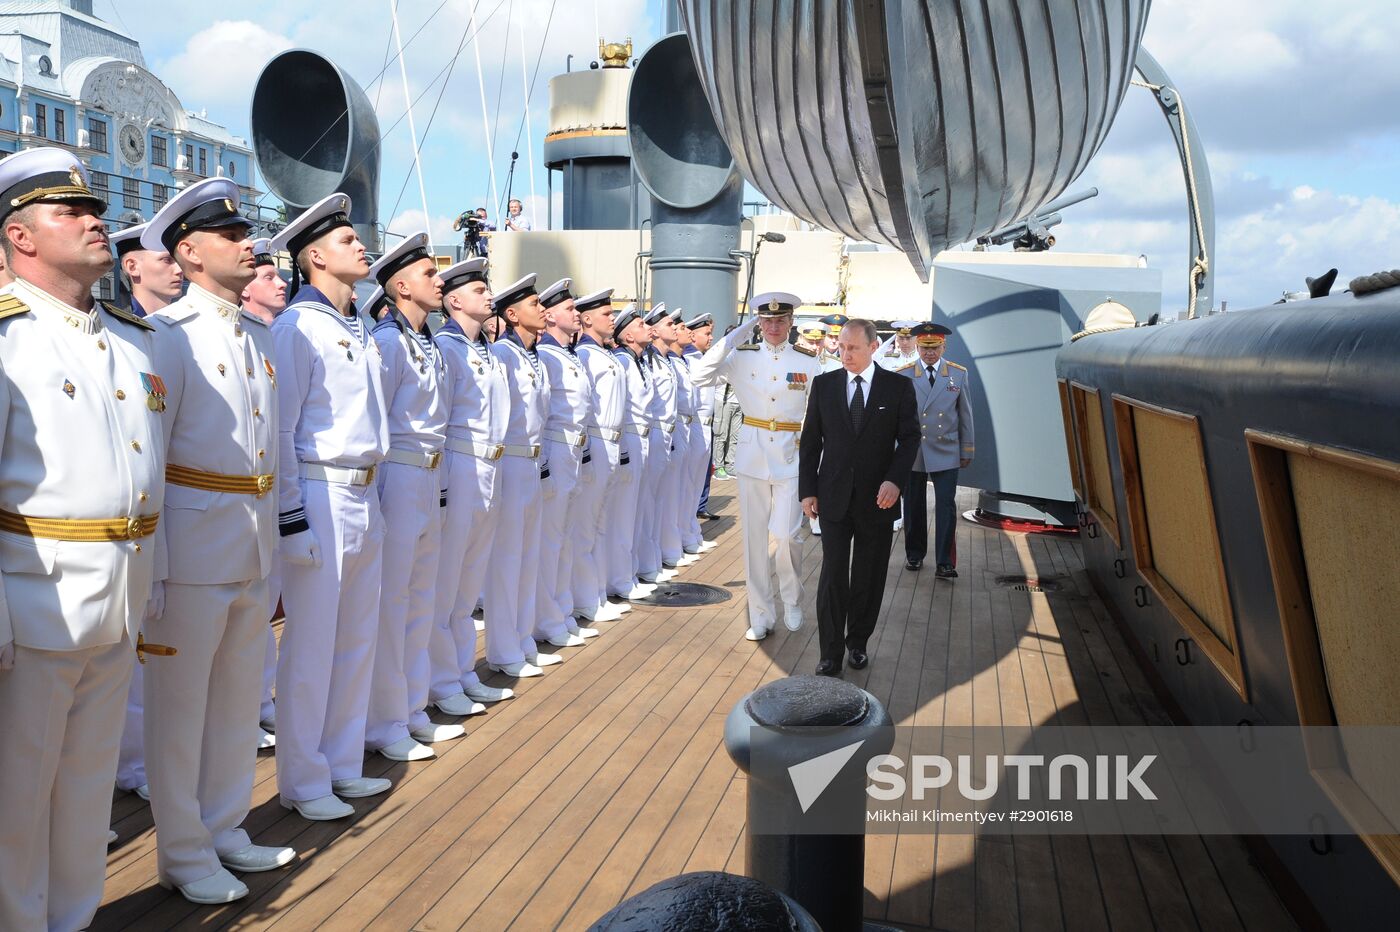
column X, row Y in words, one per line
column 706, row 901
column 812, row 849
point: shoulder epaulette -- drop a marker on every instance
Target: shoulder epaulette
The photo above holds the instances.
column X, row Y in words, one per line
column 907, row 365
column 955, row 365
column 747, row 346
column 11, row 306
column 123, row 314
column 804, row 350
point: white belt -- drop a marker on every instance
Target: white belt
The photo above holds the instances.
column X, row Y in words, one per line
column 605, row 433
column 529, row 451
column 338, row 474
column 485, row 451
column 570, row 438
column 635, row 430
column 415, row 458
column 664, row 427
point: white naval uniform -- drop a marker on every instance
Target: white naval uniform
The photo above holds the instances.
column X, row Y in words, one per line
column 215, row 550
column 888, row 356
column 77, row 440
column 566, row 447
column 411, row 487
column 771, row 384
column 332, row 414
column 600, row 473
column 689, row 476
column 510, row 581
column 478, row 398
column 651, row 507
column 621, row 510
column 674, row 484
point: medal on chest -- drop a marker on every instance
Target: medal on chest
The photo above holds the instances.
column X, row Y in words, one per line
column 271, row 372
column 345, row 344
column 155, row 391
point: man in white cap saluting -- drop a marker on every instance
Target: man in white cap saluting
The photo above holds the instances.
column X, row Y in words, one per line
column 898, row 351
column 334, row 435
column 478, row 399
column 152, row 277
column 412, row 495
column 600, row 474
column 696, row 473
column 632, row 335
column 771, row 380
column 661, row 423
column 214, row 550
column 510, row 588
column 82, row 466
column 566, row 448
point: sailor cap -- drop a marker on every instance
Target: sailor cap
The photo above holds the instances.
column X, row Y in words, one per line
column 375, row 299
column 42, row 175
column 624, row 319
column 414, row 249
column 317, row 220
column 556, row 293
column 262, row 252
column 128, row 240
column 592, row 302
column 703, row 320
column 205, row 205
column 463, row 273
column 775, row 303
column 656, row 315
column 514, row 293
column 675, row 316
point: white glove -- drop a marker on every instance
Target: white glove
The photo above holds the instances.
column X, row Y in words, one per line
column 7, row 655
column 155, row 605
column 302, row 549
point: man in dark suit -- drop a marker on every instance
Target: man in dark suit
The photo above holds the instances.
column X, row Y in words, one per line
column 858, row 444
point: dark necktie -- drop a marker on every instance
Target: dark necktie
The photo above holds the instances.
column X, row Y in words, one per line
column 931, row 383
column 857, row 406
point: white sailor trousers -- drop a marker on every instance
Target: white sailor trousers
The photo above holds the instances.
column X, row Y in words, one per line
column 328, row 640
column 556, row 539
column 696, row 469
column 510, row 582
column 620, row 515
column 770, row 509
column 410, row 498
column 649, row 503
column 589, row 577
column 468, row 531
column 673, row 484
column 60, row 725
column 202, row 722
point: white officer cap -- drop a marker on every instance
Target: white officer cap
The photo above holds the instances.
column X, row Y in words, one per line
column 317, row 220
column 591, row 302
column 513, row 293
column 414, row 249
column 656, row 315
column 702, row 320
column 557, row 293
column 775, row 303
column 43, row 175
column 262, row 252
column 128, row 240
column 463, row 273
column 904, row 328
column 206, row 205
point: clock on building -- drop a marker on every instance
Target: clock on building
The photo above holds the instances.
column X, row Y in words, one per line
column 132, row 143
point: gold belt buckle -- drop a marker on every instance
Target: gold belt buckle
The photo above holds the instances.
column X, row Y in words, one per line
column 434, row 459
column 369, row 474
column 498, row 451
column 773, row 425
column 133, row 528
column 534, row 450
column 264, row 485
column 582, row 439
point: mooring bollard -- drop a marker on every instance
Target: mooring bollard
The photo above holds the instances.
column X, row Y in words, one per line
column 706, row 901
column 804, row 742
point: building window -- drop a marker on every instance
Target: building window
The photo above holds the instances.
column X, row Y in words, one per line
column 97, row 134
column 100, row 186
column 41, row 120
column 231, row 172
column 131, row 193
column 158, row 152
column 159, row 195
column 104, row 288
column 204, row 161
column 60, row 129
column 189, row 158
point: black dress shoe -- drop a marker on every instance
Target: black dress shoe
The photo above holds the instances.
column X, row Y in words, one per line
column 913, row 564
column 828, row 668
column 858, row 659
column 946, row 571
column 706, row 516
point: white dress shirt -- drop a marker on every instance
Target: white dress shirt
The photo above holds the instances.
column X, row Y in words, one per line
column 865, row 378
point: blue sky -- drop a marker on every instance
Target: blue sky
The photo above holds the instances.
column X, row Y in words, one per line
column 1293, row 100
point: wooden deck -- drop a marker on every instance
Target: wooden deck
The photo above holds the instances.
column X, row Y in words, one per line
column 608, row 774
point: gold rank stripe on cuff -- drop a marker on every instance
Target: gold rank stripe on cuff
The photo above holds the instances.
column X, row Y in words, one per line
column 218, row 482
column 792, row 426
column 86, row 530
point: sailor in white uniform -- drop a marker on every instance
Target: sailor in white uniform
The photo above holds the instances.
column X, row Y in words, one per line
column 566, row 448
column 334, row 436
column 771, row 380
column 411, row 497
column 700, row 407
column 600, row 473
column 214, row 550
column 898, row 350
column 661, row 423
column 511, row 585
column 478, row 397
column 82, row 466
column 702, row 337
column 678, row 512
column 632, row 335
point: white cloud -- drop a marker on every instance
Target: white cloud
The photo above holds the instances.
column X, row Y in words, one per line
column 218, row 66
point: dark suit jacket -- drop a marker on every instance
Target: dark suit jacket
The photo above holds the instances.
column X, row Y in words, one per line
column 844, row 469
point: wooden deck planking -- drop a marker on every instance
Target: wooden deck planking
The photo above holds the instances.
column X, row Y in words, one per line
column 608, row 774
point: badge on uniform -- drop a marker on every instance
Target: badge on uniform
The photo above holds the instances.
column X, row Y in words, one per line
column 68, row 388
column 797, row 381
column 271, row 372
column 155, row 391
column 346, row 345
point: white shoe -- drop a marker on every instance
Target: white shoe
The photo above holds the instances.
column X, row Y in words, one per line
column 571, row 624
column 756, row 633
column 565, row 640
column 666, row 575
column 432, row 734
column 407, row 749
column 257, row 858
column 218, row 888
column 606, row 612
column 480, row 692
column 111, row 838
column 324, row 809
column 636, row 593
column 266, row 740
column 586, row 633
column 460, row 704
column 519, row 670
column 544, row 660
column 792, row 617
column 268, row 725
column 624, row 608
column 688, row 559
column 707, row 546
column 480, row 624
column 360, row 787
column 144, row 791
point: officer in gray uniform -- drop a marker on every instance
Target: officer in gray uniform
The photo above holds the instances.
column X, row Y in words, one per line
column 945, row 418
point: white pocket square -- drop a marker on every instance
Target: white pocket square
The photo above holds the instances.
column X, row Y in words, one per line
column 881, row 408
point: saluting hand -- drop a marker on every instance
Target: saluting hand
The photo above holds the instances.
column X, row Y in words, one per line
column 887, row 495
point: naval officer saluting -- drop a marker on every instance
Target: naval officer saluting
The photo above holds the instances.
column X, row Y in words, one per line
column 411, row 495
column 82, row 466
column 771, row 381
column 214, row 550
column 334, row 434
